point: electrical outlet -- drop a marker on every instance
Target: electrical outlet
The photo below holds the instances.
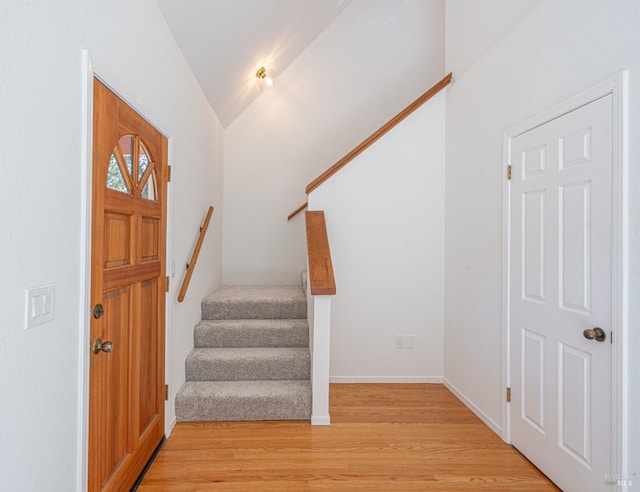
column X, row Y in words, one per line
column 399, row 342
column 409, row 341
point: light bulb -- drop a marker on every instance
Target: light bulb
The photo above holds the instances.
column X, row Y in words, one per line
column 265, row 78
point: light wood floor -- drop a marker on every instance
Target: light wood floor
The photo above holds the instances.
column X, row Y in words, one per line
column 382, row 437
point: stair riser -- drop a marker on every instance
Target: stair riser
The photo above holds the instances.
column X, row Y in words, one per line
column 244, row 400
column 245, row 370
column 254, row 310
column 238, row 409
column 219, row 337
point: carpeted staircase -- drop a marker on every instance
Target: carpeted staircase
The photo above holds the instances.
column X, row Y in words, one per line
column 251, row 357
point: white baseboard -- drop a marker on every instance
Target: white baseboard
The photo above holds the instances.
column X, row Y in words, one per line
column 469, row 404
column 386, row 379
column 320, row 420
column 172, row 424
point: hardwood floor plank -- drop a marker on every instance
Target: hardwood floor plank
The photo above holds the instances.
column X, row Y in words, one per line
column 382, row 437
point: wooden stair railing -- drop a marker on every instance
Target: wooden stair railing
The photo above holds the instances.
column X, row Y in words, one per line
column 194, row 257
column 298, row 210
column 321, row 277
column 374, row 137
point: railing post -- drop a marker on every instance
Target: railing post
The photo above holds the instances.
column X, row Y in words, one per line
column 321, row 286
column 320, row 360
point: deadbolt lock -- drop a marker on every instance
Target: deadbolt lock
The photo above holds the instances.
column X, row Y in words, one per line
column 98, row 311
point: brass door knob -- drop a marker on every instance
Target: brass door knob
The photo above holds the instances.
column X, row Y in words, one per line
column 597, row 334
column 99, row 346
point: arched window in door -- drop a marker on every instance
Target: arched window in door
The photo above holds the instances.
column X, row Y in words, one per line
column 131, row 168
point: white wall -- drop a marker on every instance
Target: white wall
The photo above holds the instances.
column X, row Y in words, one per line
column 472, row 28
column 385, row 221
column 40, row 207
column 557, row 50
column 377, row 57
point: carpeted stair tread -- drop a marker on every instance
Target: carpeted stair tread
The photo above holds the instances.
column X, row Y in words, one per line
column 252, row 333
column 244, row 400
column 255, row 302
column 263, row 363
column 251, row 358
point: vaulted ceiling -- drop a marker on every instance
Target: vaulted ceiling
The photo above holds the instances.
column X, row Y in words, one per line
column 226, row 41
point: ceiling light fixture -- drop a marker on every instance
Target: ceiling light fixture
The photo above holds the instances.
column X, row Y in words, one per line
column 265, row 78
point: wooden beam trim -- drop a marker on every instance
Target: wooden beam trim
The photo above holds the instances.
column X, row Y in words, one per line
column 321, row 276
column 298, row 210
column 379, row 133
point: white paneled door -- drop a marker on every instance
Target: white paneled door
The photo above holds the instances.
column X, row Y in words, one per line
column 560, row 296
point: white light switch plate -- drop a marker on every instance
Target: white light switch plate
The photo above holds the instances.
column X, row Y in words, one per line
column 410, row 341
column 40, row 305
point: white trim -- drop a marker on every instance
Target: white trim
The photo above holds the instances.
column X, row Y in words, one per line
column 82, row 453
column 619, row 280
column 617, row 86
column 172, row 423
column 124, row 92
column 494, row 426
column 587, row 96
column 92, row 68
column 321, row 420
column 506, row 295
column 386, row 379
column 169, row 420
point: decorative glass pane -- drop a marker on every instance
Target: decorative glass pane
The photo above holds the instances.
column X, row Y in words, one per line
column 143, row 160
column 126, row 144
column 115, row 180
column 149, row 191
column 122, row 167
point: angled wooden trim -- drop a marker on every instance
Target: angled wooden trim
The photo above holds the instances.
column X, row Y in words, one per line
column 298, row 210
column 194, row 257
column 321, row 276
column 379, row 133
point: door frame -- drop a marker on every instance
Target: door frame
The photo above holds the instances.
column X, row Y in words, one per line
column 93, row 68
column 617, row 86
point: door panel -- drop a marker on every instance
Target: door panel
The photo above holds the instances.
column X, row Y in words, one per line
column 561, row 274
column 575, row 246
column 533, row 242
column 533, row 379
column 117, row 242
column 148, row 375
column 574, row 405
column 149, row 239
column 126, row 407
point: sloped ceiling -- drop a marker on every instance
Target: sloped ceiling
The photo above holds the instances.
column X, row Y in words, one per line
column 226, row 41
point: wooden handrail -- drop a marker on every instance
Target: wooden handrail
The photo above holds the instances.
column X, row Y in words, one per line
column 298, row 210
column 320, row 267
column 194, row 257
column 379, row 133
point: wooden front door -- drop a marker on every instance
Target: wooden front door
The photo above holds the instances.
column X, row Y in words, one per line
column 126, row 395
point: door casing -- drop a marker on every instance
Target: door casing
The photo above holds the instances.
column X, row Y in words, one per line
column 93, row 68
column 617, row 86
